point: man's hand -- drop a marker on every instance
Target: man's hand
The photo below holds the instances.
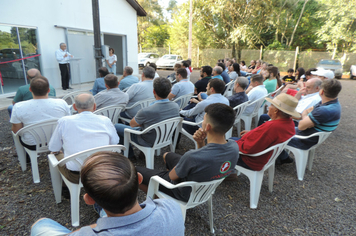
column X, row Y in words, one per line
column 65, row 55
column 194, row 100
column 244, row 132
column 199, row 136
column 71, row 56
column 199, row 97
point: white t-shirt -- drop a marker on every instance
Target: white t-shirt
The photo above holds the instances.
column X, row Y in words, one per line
column 112, row 58
column 35, row 111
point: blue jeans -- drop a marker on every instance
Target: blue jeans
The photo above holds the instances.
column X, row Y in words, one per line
column 112, row 69
column 189, row 128
column 9, row 109
column 48, row 227
column 120, row 128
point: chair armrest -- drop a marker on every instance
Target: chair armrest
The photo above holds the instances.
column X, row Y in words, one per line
column 127, row 130
column 52, row 160
column 191, row 123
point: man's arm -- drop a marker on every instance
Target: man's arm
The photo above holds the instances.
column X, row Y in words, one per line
column 194, row 111
column 199, row 136
column 55, row 144
column 173, row 175
column 133, row 123
column 16, row 127
column 306, row 122
column 171, row 96
column 91, row 226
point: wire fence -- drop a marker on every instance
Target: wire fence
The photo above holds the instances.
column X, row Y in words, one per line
column 284, row 60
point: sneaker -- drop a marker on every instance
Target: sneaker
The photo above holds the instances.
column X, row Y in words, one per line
column 284, row 161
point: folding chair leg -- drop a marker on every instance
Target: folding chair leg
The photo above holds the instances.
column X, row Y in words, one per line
column 150, row 157
column 211, row 216
column 21, row 153
column 74, row 205
column 301, row 158
column 271, row 177
column 255, row 189
column 56, row 183
column 34, row 166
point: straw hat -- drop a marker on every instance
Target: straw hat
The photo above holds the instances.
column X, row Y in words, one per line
column 285, row 103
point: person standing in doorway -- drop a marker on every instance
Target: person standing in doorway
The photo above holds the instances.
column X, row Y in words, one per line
column 62, row 57
column 111, row 61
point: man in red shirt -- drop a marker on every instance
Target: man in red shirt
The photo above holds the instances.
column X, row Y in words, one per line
column 279, row 129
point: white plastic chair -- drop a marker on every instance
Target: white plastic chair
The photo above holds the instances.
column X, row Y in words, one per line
column 188, row 135
column 239, row 109
column 74, row 189
column 42, row 133
column 182, row 101
column 164, row 133
column 302, row 157
column 256, row 177
column 254, row 114
column 141, row 104
column 229, row 89
column 69, row 98
column 112, row 112
column 201, row 192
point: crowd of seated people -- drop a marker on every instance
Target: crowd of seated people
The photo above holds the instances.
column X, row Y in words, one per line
column 307, row 103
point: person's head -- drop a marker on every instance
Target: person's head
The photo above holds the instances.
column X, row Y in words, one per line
column 256, row 80
column 110, row 180
column 185, row 64
column 162, row 87
column 63, row 46
column 217, row 70
column 236, row 67
column 308, row 73
column 84, row 102
column 181, row 74
column 33, row 73
column 153, row 65
column 240, row 82
column 39, row 86
column 206, row 71
column 189, row 61
column 228, row 63
column 148, row 73
column 177, row 66
column 323, row 74
column 111, row 81
column 222, row 65
column 258, row 63
column 128, row 70
column 215, row 86
column 290, row 72
column 330, row 88
column 218, row 118
column 299, row 72
column 313, row 85
column 273, row 71
column 243, row 63
column 264, row 66
column 283, row 106
column 252, row 62
column 111, row 50
column 103, row 71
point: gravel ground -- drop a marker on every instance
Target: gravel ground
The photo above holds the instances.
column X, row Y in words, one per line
column 322, row 204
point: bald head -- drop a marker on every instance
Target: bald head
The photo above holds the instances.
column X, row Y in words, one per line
column 84, row 102
column 32, row 73
column 218, row 70
column 313, row 85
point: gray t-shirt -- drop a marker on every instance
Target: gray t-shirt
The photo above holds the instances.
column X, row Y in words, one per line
column 211, row 162
column 161, row 110
column 138, row 92
column 111, row 97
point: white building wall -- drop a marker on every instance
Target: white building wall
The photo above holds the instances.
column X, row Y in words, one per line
column 116, row 17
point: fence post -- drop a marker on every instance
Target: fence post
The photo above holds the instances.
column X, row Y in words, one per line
column 198, row 58
column 261, row 52
column 333, row 56
column 295, row 58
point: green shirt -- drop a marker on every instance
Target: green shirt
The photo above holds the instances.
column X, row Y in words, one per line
column 270, row 85
column 24, row 94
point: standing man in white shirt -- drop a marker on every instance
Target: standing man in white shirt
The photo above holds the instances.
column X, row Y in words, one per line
column 62, row 57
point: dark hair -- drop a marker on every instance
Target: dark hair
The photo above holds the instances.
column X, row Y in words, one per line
column 236, row 68
column 274, row 70
column 258, row 78
column 113, row 51
column 185, row 63
column 162, row 87
column 217, row 84
column 243, row 63
column 189, row 61
column 111, row 180
column 183, row 72
column 153, row 65
column 178, row 65
column 39, row 86
column 149, row 72
column 290, row 70
column 222, row 65
column 103, row 71
column 111, row 80
column 301, row 72
column 208, row 70
column 331, row 87
column 308, row 72
column 128, row 70
column 221, row 117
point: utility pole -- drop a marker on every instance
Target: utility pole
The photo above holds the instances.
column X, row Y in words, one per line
column 97, row 36
column 190, row 29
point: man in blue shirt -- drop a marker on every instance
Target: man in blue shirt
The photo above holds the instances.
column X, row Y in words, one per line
column 217, row 71
column 183, row 87
column 127, row 78
column 99, row 84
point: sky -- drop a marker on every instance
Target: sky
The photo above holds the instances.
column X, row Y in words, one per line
column 164, row 4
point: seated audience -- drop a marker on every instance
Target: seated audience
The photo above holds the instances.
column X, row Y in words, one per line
column 278, row 130
column 234, row 70
column 243, row 66
column 272, row 82
column 127, row 78
column 114, row 193
column 240, row 96
column 255, row 91
column 205, row 76
column 257, row 67
column 161, row 110
column 183, row 87
column 228, row 62
column 79, row 133
column 140, row 91
column 185, row 65
column 289, row 78
column 154, row 66
column 323, row 74
column 214, row 90
column 36, row 110
column 217, row 73
column 251, row 67
column 213, row 161
column 172, row 77
column 112, row 95
column 224, row 74
column 99, row 84
column 292, row 89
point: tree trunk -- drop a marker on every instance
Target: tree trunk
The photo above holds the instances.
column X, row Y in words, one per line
column 296, row 26
column 233, row 50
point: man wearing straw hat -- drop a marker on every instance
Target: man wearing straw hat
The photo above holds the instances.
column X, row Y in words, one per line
column 279, row 129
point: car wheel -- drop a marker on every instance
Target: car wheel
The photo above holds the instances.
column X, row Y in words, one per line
column 338, row 77
column 351, row 76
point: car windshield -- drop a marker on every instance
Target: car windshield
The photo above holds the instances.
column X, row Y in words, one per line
column 330, row 62
column 143, row 55
column 169, row 57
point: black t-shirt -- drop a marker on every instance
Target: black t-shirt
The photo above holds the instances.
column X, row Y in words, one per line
column 288, row 79
column 201, row 84
column 251, row 67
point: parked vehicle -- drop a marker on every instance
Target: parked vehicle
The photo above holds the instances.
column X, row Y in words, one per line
column 168, row 61
column 333, row 65
column 353, row 72
column 144, row 59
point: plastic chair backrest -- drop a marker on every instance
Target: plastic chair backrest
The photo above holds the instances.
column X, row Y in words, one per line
column 258, row 103
column 142, row 104
column 112, row 112
column 201, row 192
column 79, row 158
column 228, row 89
column 41, row 132
column 239, row 109
column 69, row 98
column 164, row 131
column 182, row 101
column 322, row 137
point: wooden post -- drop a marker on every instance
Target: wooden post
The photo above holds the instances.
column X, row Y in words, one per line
column 333, row 56
column 97, row 37
column 295, row 58
column 190, row 29
column 261, row 52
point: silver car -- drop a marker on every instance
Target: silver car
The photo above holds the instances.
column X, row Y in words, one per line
column 168, row 61
column 333, row 65
column 144, row 59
